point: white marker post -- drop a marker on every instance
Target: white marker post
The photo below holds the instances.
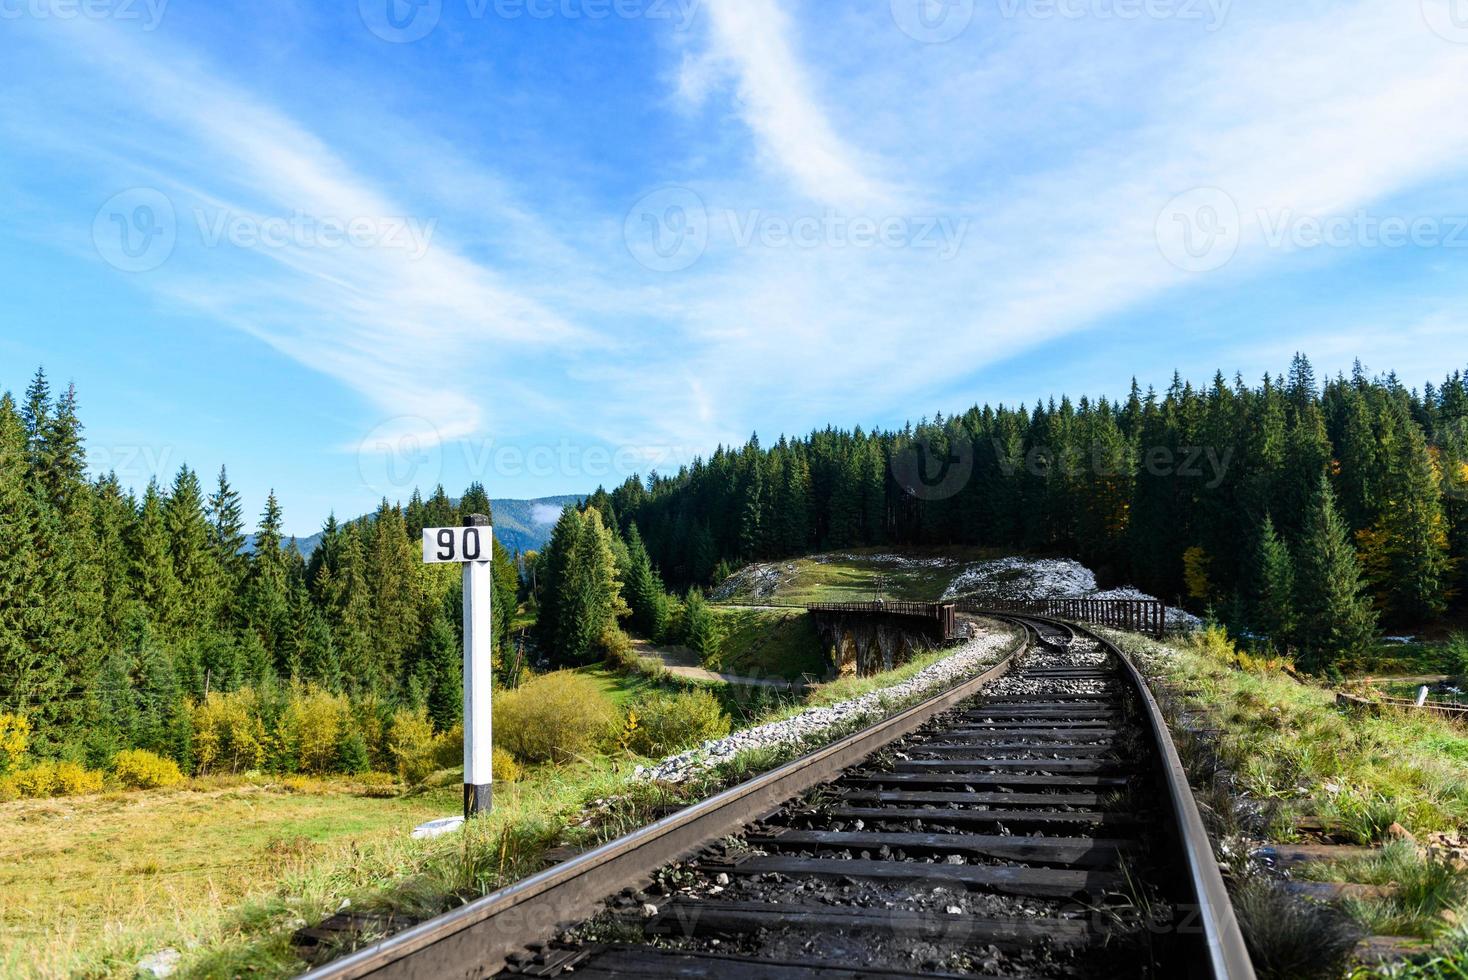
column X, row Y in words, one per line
column 472, row 546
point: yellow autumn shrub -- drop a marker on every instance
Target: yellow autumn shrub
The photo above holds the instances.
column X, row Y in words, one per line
column 555, row 718
column 51, row 778
column 410, row 740
column 228, row 733
column 15, row 737
column 141, row 769
column 506, row 769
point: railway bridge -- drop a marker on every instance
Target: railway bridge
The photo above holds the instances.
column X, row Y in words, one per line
column 869, row 637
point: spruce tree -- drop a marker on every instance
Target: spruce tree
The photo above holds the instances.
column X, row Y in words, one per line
column 195, row 563
column 1412, row 533
column 476, row 501
column 227, row 535
column 267, row 593
column 1335, row 615
column 439, row 511
column 157, row 584
column 1274, row 585
column 551, row 574
column 704, row 635
column 443, row 656
column 37, row 418
column 590, row 594
column 504, row 600
column 30, row 675
column 393, row 571
column 644, row 590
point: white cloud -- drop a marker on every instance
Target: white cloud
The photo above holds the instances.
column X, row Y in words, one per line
column 408, row 321
column 755, row 40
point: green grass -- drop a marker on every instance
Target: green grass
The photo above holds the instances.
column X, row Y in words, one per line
column 1425, row 889
column 622, row 687
column 89, row 885
column 768, row 643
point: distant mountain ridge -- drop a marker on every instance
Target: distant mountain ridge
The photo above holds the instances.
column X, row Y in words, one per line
column 519, row 525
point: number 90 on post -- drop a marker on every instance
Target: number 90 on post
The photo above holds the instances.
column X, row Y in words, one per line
column 450, row 545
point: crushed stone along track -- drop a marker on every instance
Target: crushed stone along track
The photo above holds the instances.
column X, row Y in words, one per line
column 1017, row 835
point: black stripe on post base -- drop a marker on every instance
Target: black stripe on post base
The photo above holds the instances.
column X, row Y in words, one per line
column 477, row 800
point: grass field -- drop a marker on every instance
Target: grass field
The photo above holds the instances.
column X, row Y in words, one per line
column 89, row 885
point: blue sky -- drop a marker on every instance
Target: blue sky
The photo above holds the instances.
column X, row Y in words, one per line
column 347, row 248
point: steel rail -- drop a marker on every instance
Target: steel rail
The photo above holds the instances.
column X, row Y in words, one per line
column 1227, row 954
column 476, row 940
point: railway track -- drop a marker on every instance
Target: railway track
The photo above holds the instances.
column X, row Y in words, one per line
column 1033, row 822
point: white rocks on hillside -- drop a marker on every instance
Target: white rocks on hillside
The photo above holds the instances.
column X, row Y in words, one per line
column 1023, row 578
column 759, row 581
column 983, row 651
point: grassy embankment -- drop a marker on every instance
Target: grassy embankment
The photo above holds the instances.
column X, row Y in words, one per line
column 920, row 575
column 1300, row 765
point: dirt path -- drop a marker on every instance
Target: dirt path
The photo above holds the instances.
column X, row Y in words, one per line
column 683, row 662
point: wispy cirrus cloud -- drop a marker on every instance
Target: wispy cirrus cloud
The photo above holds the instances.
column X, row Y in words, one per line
column 754, row 42
column 277, row 234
